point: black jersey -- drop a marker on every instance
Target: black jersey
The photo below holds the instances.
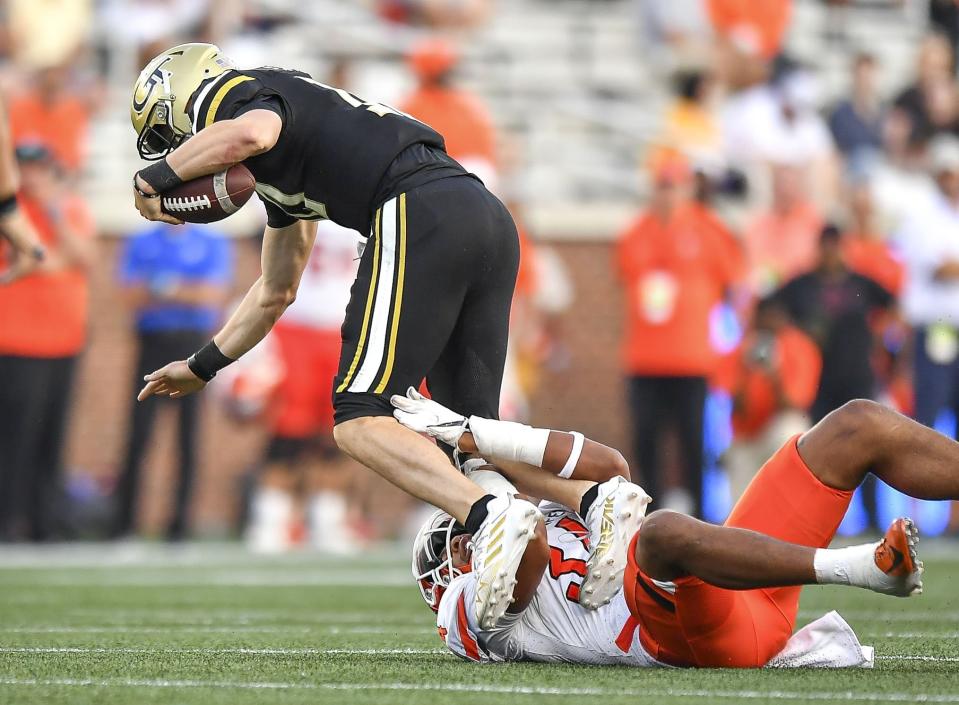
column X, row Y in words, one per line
column 335, row 154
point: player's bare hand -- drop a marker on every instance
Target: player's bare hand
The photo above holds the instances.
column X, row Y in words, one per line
column 174, row 380
column 423, row 415
column 149, row 205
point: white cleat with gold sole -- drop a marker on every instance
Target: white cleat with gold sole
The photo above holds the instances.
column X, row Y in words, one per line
column 612, row 521
column 498, row 548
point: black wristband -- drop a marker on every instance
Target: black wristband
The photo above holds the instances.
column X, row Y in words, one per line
column 160, row 176
column 207, row 361
column 8, row 204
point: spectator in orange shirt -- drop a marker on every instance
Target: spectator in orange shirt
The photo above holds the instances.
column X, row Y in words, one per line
column 777, row 375
column 865, row 248
column 676, row 261
column 455, row 113
column 757, row 28
column 51, row 114
column 43, row 319
column 784, row 241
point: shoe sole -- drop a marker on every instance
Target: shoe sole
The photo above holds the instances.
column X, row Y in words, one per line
column 607, row 562
column 912, row 541
column 494, row 586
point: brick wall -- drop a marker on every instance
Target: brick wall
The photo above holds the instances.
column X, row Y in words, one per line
column 587, row 396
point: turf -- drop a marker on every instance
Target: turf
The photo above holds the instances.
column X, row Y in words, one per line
column 206, row 624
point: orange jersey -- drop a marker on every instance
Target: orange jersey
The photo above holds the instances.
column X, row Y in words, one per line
column 459, row 117
column 45, row 314
column 674, row 274
column 61, row 126
column 872, row 258
column 761, row 24
column 782, row 245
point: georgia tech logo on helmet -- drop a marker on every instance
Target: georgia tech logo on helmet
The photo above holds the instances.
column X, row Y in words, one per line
column 158, row 77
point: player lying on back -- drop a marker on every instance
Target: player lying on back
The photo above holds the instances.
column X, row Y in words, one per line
column 695, row 594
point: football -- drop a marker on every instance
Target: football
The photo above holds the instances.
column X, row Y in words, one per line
column 210, row 198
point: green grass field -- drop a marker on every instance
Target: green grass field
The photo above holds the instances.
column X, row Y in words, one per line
column 207, row 624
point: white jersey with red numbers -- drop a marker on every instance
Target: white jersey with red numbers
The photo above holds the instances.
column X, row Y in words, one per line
column 554, row 627
column 324, row 288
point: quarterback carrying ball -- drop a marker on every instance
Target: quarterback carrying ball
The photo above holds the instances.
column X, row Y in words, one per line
column 432, row 295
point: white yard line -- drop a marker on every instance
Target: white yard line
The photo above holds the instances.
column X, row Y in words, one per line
column 226, row 578
column 206, row 629
column 878, row 616
column 933, row 659
column 244, row 651
column 839, row 696
column 241, row 651
column 910, row 635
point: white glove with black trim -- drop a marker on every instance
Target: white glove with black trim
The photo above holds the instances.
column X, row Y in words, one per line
column 423, row 415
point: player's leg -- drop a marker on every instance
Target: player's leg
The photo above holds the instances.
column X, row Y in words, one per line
column 673, row 545
column 647, row 406
column 407, row 299
column 691, row 410
column 151, row 348
column 272, row 503
column 863, row 436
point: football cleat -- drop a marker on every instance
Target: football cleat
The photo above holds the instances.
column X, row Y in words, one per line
column 897, row 568
column 612, row 521
column 498, row 548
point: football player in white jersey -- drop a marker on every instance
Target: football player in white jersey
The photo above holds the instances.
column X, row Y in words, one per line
column 695, row 594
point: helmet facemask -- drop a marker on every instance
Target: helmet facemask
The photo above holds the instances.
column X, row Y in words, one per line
column 433, row 567
column 160, row 136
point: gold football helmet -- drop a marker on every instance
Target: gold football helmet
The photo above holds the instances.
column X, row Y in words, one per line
column 162, row 96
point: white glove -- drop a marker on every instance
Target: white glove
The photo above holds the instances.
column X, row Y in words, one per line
column 423, row 415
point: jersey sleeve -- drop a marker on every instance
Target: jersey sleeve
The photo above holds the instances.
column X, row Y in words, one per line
column 234, row 96
column 456, row 620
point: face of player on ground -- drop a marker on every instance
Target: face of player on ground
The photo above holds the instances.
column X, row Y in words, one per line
column 461, row 552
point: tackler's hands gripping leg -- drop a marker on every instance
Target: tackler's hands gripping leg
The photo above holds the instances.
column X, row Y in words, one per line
column 423, row 415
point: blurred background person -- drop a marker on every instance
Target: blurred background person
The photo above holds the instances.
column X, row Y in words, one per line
column 676, row 262
column 301, row 459
column 43, row 329
column 929, row 243
column 48, row 33
column 50, row 111
column 856, row 121
column 455, row 113
column 175, row 280
column 776, row 376
column 930, row 103
column 782, row 242
column 835, row 306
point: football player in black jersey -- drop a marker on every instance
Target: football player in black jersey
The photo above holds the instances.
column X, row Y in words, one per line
column 432, row 296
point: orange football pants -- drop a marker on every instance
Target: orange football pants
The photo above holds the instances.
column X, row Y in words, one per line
column 709, row 627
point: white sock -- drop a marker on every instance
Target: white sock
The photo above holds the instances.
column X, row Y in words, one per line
column 326, row 515
column 854, row 565
column 271, row 513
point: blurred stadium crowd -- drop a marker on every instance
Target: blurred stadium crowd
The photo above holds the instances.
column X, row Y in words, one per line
column 736, row 216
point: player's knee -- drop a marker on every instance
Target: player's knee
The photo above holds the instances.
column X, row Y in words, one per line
column 349, row 435
column 662, row 533
column 346, row 434
column 860, row 417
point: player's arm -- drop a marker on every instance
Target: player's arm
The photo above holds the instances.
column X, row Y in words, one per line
column 566, row 455
column 213, row 149
column 285, row 253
